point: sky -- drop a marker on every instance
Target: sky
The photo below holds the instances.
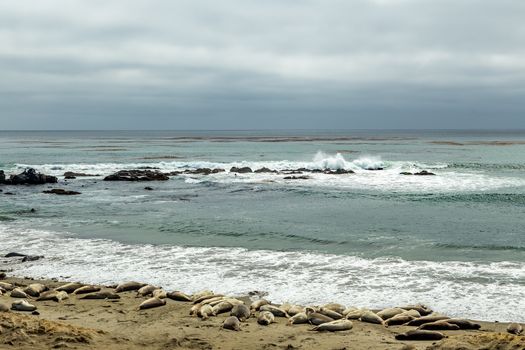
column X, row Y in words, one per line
column 266, row 64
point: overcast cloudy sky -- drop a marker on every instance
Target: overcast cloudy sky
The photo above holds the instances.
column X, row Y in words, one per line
column 177, row 64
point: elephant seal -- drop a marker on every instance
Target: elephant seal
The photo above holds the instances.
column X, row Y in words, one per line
column 426, row 319
column 439, row 326
column 334, row 326
column 335, row 307
column 413, row 313
column 356, row 314
column 398, row 320
column 232, row 323
column 299, row 318
column 159, row 293
column 422, row 309
column 35, row 289
column 146, row 290
column 316, row 318
column 241, row 311
column 18, row 293
column 202, row 295
column 275, row 310
column 101, row 295
column 179, row 296
column 54, row 295
column 330, row 313
column 151, row 303
column 86, row 289
column 222, row 307
column 295, row 309
column 70, row 287
column 129, row 286
column 7, row 286
column 515, row 328
column 22, row 305
column 371, row 317
column 464, row 324
column 385, row 314
column 265, row 318
column 205, row 311
column 4, row 307
column 420, row 335
column 205, row 298
column 256, row 305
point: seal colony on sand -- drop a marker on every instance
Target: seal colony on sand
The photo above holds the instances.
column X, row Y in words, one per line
column 399, row 326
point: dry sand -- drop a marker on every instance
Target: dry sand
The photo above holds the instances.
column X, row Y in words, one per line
column 118, row 324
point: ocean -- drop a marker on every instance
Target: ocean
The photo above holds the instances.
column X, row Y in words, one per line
column 454, row 241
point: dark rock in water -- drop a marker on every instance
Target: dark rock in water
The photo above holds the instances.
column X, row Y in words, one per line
column 31, row 177
column 148, row 168
column 203, row 171
column 405, row 173
column 70, row 177
column 147, row 188
column 61, row 191
column 2, row 176
column 32, row 258
column 33, row 210
column 265, row 170
column 71, row 174
column 137, row 175
column 290, row 172
column 424, row 173
column 9, row 193
column 14, row 255
column 297, row 177
column 241, row 170
column 2, row 276
column 338, row 172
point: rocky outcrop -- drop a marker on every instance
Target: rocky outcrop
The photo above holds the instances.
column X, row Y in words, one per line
column 265, row 170
column 137, row 175
column 203, row 171
column 304, row 177
column 2, row 176
column 30, row 177
column 24, row 257
column 338, row 172
column 421, row 173
column 73, row 175
column 241, row 170
column 62, row 192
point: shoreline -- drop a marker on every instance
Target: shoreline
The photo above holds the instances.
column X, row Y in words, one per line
column 119, row 324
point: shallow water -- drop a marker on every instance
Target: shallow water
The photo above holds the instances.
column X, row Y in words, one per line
column 374, row 238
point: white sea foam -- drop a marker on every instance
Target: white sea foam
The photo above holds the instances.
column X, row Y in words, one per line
column 463, row 289
column 366, row 175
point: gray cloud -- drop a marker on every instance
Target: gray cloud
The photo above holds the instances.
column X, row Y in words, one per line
column 262, row 64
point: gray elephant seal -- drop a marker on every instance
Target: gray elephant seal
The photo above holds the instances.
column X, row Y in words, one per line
column 86, row 289
column 515, row 328
column 205, row 311
column 101, row 295
column 179, row 296
column 371, row 317
column 339, row 308
column 7, row 286
column 35, row 289
column 420, row 335
column 146, row 290
column 54, row 295
column 265, row 318
column 241, row 311
column 232, row 323
column 422, row 309
column 151, row 303
column 159, row 293
column 222, row 307
column 334, row 326
column 464, row 324
column 330, row 313
column 22, row 305
column 70, row 287
column 129, row 286
column 426, row 319
column 256, row 305
column 439, row 326
column 385, row 314
column 299, row 318
column 316, row 318
column 18, row 293
column 276, row 311
column 398, row 320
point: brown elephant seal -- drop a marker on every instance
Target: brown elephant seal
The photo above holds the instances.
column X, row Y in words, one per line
column 295, row 309
column 464, row 324
column 146, row 290
column 426, row 319
column 420, row 335
column 422, row 309
column 355, row 314
column 35, row 289
column 22, row 305
column 4, row 307
column 129, row 286
column 70, row 287
column 205, row 311
column 159, row 293
column 330, row 313
column 205, row 298
column 53, row 295
column 515, row 328
column 241, row 311
column 232, row 323
column 385, row 314
column 202, row 295
column 439, row 326
column 7, row 286
column 371, row 317
column 256, row 305
column 299, row 318
column 87, row 289
column 18, row 293
column 334, row 326
column 316, row 318
column 101, row 295
column 179, row 296
column 339, row 308
column 151, row 303
column 222, row 307
column 398, row 320
column 265, row 318
column 275, row 310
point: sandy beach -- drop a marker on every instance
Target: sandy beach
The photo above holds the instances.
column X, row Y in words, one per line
column 119, row 324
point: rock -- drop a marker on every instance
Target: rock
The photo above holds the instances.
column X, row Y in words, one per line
column 296, row 177
column 32, row 258
column 2, row 176
column 70, row 177
column 405, row 173
column 241, row 170
column 2, row 276
column 265, row 170
column 147, row 188
column 339, row 172
column 71, row 174
column 424, row 173
column 61, row 191
column 137, row 175
column 13, row 255
column 203, row 171
column 30, row 177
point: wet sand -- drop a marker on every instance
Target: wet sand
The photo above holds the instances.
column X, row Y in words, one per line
column 118, row 324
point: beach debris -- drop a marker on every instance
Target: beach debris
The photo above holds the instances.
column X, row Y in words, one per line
column 146, row 290
column 35, row 289
column 129, row 286
column 179, row 296
column 54, row 295
column 265, row 318
column 371, row 317
column 515, row 328
column 334, row 326
column 420, row 335
column 299, row 318
column 241, row 311
column 256, row 305
column 87, row 289
column 22, row 305
column 101, row 295
column 426, row 319
column 232, row 323
column 70, row 287
column 151, row 303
